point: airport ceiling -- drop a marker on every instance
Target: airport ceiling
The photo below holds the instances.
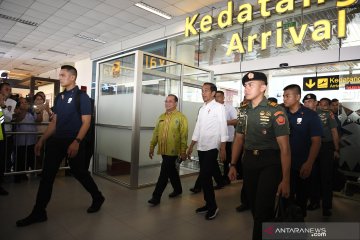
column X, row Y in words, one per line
column 37, row 36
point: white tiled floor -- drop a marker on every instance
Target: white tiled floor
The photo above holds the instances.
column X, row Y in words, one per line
column 126, row 214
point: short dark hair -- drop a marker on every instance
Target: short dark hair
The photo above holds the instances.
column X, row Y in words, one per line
column 70, row 69
column 174, row 96
column 326, row 99
column 334, row 100
column 3, row 84
column 294, row 87
column 221, row 92
column 213, row 87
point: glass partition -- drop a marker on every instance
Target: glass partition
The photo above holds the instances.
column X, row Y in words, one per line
column 114, row 118
column 130, row 97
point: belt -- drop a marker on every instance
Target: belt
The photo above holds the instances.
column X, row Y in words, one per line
column 262, row 152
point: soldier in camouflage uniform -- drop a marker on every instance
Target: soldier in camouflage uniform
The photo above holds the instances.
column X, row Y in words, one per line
column 263, row 131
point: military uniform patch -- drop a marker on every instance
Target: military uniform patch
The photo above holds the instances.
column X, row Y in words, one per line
column 280, row 120
column 278, row 113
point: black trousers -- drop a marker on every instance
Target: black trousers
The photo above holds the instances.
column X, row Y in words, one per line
column 168, row 171
column 25, row 159
column 227, row 161
column 217, row 177
column 208, row 166
column 321, row 176
column 299, row 189
column 9, row 144
column 262, row 174
column 56, row 151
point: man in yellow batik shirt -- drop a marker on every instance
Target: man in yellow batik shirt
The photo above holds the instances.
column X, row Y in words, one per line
column 170, row 134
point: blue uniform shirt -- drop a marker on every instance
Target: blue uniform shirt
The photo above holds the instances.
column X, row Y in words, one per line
column 68, row 120
column 304, row 124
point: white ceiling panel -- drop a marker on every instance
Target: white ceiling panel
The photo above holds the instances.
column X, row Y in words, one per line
column 96, row 15
column 137, row 11
column 53, row 3
column 46, row 29
column 43, row 7
column 144, row 22
column 67, row 15
column 75, row 8
column 107, row 9
column 25, row 3
column 174, row 11
column 10, row 13
column 58, row 20
column 118, row 4
column 156, row 18
column 35, row 13
column 160, row 4
column 189, row 5
column 131, row 27
column 70, row 30
column 87, row 21
column 121, row 32
column 126, row 16
column 87, row 3
column 113, row 21
column 7, row 5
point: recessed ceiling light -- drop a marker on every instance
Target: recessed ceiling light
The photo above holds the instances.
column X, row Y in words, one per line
column 153, row 10
column 90, row 38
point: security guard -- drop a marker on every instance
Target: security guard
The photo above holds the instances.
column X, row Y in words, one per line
column 305, row 141
column 263, row 130
column 323, row 167
column 64, row 137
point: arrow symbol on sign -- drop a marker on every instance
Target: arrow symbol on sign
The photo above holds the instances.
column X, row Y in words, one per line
column 310, row 84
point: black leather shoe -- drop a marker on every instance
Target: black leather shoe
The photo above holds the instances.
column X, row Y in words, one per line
column 31, row 219
column 313, row 206
column 242, row 208
column 327, row 213
column 96, row 205
column 154, row 201
column 174, row 194
column 3, row 192
column 203, row 209
column 195, row 190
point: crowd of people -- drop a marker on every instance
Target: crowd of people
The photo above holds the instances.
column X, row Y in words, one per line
column 284, row 150
column 21, row 114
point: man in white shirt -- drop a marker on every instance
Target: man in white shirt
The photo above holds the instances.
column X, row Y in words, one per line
column 231, row 120
column 210, row 134
column 8, row 108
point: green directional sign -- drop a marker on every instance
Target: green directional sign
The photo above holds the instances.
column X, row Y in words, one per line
column 321, row 83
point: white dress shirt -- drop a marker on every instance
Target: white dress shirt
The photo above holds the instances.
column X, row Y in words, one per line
column 231, row 114
column 211, row 126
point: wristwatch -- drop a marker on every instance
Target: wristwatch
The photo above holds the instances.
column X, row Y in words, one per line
column 78, row 140
column 232, row 164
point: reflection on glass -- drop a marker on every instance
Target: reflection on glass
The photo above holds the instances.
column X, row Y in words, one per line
column 117, row 76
